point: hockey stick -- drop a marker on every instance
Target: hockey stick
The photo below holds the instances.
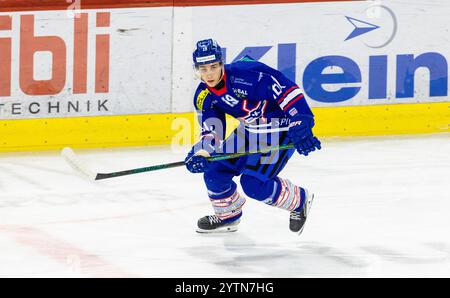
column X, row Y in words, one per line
column 71, row 158
column 76, row 164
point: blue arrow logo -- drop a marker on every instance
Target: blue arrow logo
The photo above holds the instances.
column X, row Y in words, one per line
column 361, row 27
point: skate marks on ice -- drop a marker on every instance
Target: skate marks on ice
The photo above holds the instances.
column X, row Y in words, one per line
column 39, row 167
column 437, row 253
column 94, row 196
column 120, row 206
column 24, row 179
column 242, row 256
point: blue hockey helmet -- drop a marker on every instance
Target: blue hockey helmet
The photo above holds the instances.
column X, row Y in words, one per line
column 207, row 51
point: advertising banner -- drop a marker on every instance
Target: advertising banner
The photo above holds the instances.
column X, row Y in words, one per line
column 96, row 62
column 340, row 53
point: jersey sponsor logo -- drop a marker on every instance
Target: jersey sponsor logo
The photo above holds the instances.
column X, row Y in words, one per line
column 295, row 123
column 241, row 81
column 201, row 99
column 240, row 93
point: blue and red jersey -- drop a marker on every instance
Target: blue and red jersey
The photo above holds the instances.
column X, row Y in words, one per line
column 260, row 97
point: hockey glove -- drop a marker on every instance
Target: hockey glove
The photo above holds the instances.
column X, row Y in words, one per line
column 196, row 161
column 301, row 134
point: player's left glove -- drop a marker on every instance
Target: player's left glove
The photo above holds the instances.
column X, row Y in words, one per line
column 300, row 133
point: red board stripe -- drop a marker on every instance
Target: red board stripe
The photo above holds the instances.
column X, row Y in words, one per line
column 34, row 5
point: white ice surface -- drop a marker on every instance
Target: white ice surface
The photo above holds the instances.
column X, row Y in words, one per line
column 382, row 208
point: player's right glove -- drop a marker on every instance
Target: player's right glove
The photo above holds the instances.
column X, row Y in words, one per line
column 300, row 133
column 196, row 161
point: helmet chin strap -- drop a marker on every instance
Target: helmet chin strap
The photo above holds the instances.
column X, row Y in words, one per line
column 221, row 76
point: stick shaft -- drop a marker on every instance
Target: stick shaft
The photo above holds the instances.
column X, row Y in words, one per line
column 235, row 155
column 101, row 176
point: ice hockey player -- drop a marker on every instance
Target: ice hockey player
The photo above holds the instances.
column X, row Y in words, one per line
column 272, row 111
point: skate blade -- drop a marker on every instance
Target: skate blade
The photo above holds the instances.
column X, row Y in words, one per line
column 309, row 204
column 218, row 231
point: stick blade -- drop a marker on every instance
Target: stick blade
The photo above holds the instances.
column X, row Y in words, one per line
column 76, row 164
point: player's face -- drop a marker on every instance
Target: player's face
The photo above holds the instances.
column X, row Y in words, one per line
column 211, row 73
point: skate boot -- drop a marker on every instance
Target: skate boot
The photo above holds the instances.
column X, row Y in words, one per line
column 213, row 224
column 298, row 216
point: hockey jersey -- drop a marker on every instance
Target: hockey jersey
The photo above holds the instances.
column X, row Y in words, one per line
column 260, row 97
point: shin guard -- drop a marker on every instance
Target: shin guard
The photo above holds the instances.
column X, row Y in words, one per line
column 227, row 205
column 290, row 197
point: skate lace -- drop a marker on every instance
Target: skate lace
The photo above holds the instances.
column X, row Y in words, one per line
column 295, row 215
column 213, row 219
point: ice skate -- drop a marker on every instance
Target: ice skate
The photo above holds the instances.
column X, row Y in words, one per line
column 298, row 217
column 213, row 224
